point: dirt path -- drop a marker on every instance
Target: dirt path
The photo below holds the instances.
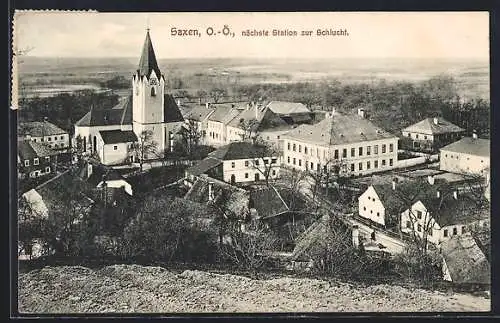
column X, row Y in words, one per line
column 130, row 288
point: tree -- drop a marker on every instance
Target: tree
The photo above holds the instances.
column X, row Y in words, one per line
column 249, row 128
column 145, row 148
column 192, row 136
column 201, row 94
column 295, row 181
column 217, row 93
column 265, row 159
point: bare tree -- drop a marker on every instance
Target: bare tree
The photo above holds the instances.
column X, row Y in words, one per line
column 192, row 136
column 145, row 148
column 249, row 128
column 217, row 93
column 201, row 94
column 266, row 159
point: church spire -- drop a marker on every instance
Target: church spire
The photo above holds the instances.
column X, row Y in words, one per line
column 148, row 61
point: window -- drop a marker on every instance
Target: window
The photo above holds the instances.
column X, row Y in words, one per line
column 300, row 148
column 368, row 150
column 344, row 153
column 430, row 231
column 318, row 167
column 360, row 166
column 26, row 162
column 375, row 149
column 419, row 215
column 375, row 164
column 294, row 161
column 312, row 166
column 266, row 161
column 294, row 147
column 390, row 162
column 34, row 139
column 278, row 137
column 408, row 224
column 367, row 165
column 325, row 169
column 416, row 136
column 153, row 91
column 464, row 229
column 274, row 172
column 47, row 169
column 383, row 162
column 62, row 137
column 256, row 162
column 383, row 149
column 288, row 146
column 47, row 159
column 305, row 150
column 364, row 208
column 455, row 231
column 378, row 213
column 371, row 211
column 233, row 164
column 425, row 137
column 391, row 148
column 336, row 154
column 352, row 167
column 115, row 147
column 300, row 162
column 43, row 139
column 353, row 152
column 36, row 161
column 288, row 159
column 246, row 163
column 246, row 175
column 419, row 227
column 274, row 161
column 360, row 151
column 445, row 233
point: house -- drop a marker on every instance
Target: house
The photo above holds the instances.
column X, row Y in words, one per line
column 44, row 132
column 291, row 112
column 198, row 116
column 350, row 142
column 432, row 133
column 469, row 155
column 238, row 162
column 217, row 124
column 99, row 175
column 147, row 108
column 438, row 216
column 115, row 146
column 464, row 262
column 34, row 159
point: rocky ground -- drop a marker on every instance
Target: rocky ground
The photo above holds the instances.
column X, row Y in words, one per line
column 131, row 288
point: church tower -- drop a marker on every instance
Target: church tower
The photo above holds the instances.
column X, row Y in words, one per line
column 148, row 86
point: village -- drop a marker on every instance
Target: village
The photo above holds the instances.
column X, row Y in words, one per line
column 268, row 183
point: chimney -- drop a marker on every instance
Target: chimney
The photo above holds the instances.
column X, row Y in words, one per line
column 394, row 181
column 438, row 194
column 207, row 105
column 89, row 170
column 171, row 141
column 361, row 112
column 210, row 191
column 474, row 134
column 179, row 102
column 455, row 194
column 430, row 179
column 436, row 121
column 355, row 236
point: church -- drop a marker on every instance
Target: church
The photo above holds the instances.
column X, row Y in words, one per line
column 111, row 133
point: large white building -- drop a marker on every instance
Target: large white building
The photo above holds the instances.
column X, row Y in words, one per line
column 147, row 108
column 466, row 156
column 351, row 142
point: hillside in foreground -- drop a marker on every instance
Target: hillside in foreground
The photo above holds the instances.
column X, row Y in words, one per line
column 131, row 288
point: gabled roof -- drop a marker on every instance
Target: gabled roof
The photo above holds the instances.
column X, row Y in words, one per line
column 470, row 146
column 232, row 198
column 171, row 111
column 239, row 150
column 148, row 62
column 198, row 113
column 429, row 127
column 268, row 202
column 339, row 129
column 283, row 107
column 102, row 117
column 39, row 129
column 224, row 113
column 117, row 136
column 465, row 261
column 29, row 150
column 204, row 166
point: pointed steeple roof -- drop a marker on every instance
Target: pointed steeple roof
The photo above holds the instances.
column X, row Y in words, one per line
column 148, row 59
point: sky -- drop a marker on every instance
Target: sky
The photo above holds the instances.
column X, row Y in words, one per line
column 449, row 35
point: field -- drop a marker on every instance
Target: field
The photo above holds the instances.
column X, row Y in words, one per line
column 48, row 76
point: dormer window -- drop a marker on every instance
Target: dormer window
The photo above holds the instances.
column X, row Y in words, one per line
column 153, row 91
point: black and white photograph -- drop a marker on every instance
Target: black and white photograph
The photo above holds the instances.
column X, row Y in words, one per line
column 252, row 162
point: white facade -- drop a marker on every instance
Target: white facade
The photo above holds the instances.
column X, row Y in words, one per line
column 118, row 184
column 90, row 135
column 59, row 141
column 114, row 154
column 456, row 162
column 419, row 219
column 216, row 134
column 249, row 170
column 359, row 158
column 371, row 207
